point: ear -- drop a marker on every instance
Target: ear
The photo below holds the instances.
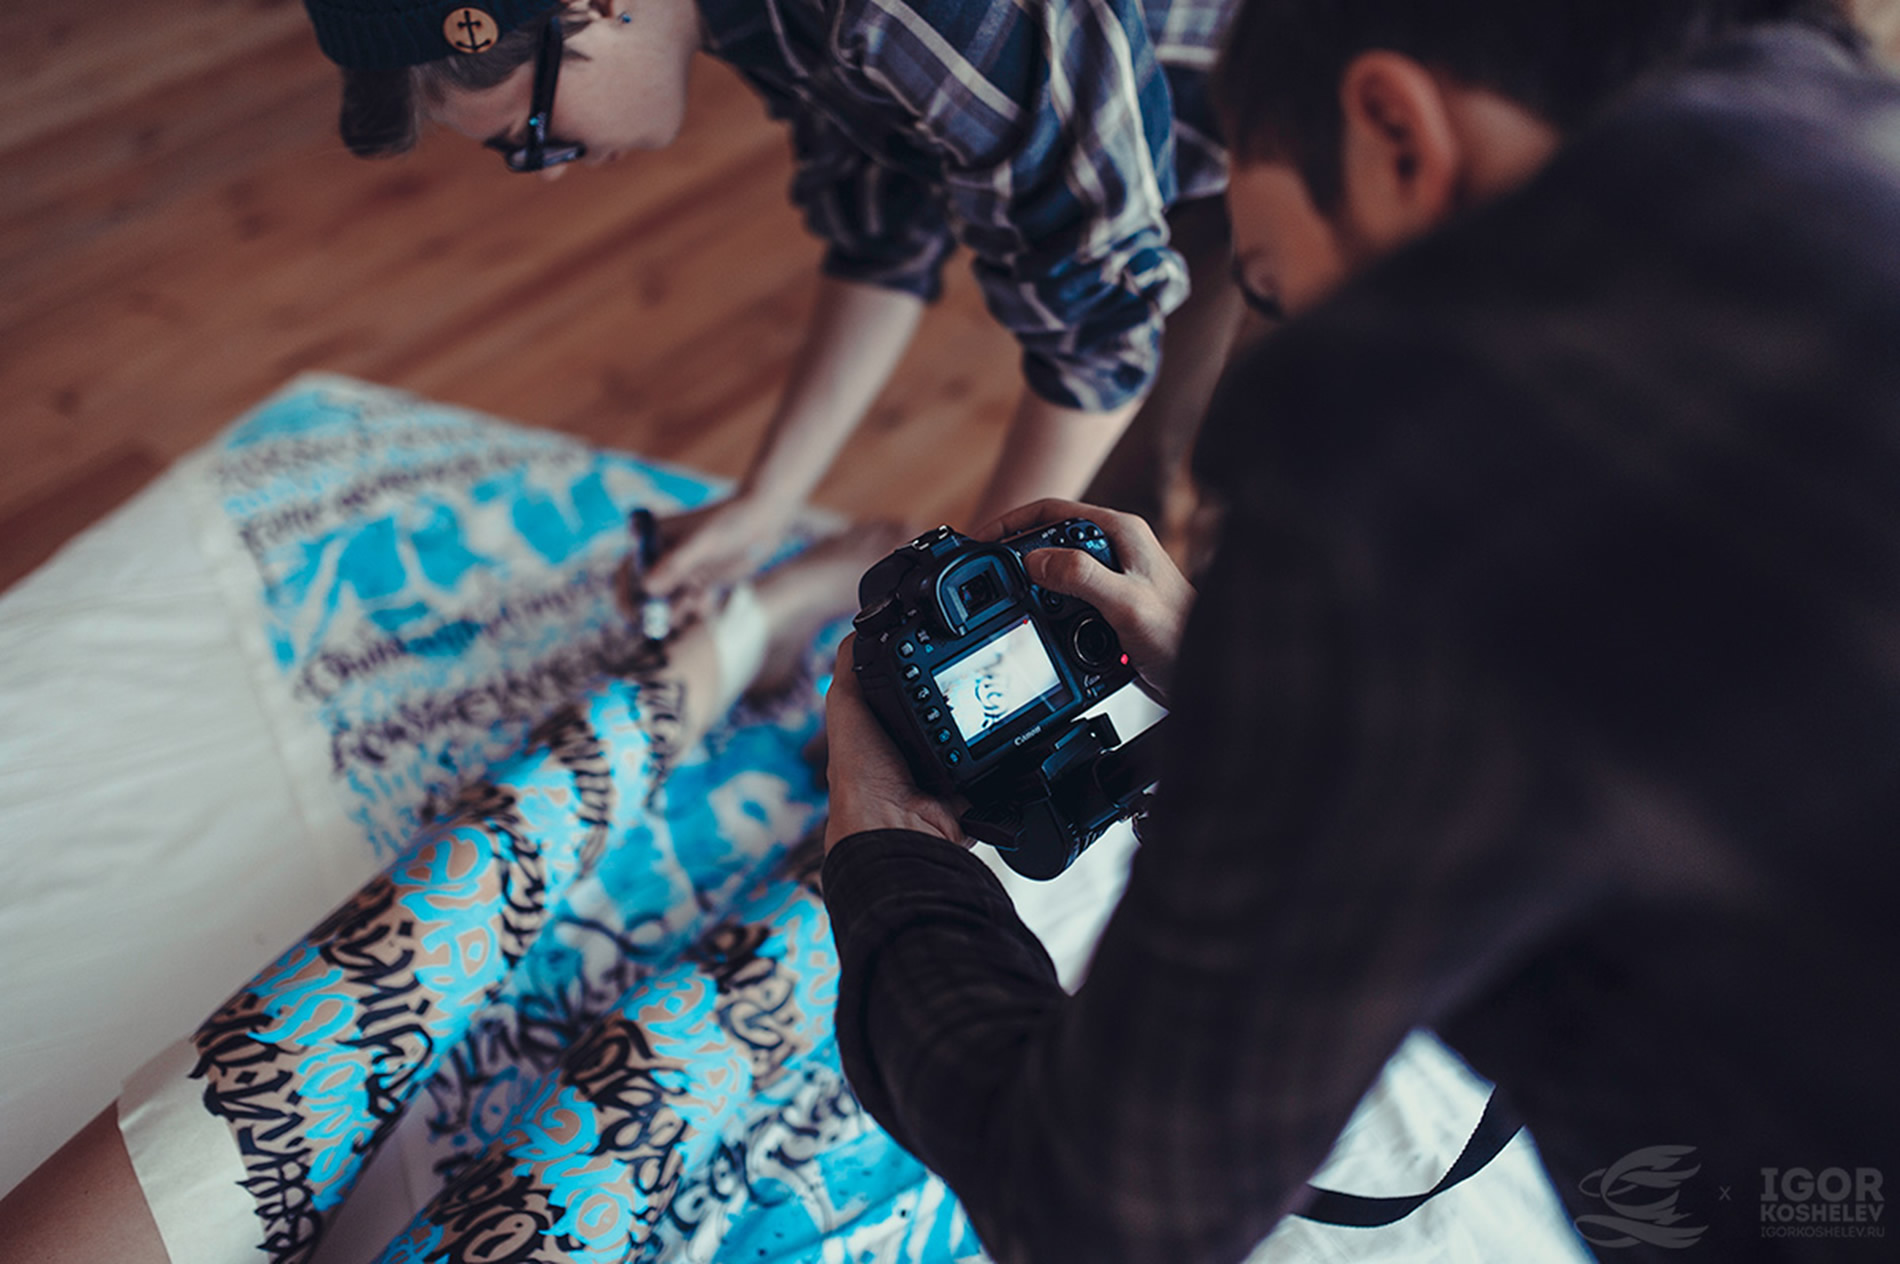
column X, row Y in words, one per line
column 1401, row 158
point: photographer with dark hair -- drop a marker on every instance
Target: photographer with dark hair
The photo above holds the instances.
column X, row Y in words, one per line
column 1543, row 688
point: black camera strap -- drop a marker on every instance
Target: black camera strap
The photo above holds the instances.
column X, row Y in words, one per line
column 1496, row 1127
column 1133, row 766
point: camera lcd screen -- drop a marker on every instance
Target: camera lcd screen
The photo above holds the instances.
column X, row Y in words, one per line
column 994, row 684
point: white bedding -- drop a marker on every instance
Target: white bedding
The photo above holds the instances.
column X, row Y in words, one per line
column 156, row 849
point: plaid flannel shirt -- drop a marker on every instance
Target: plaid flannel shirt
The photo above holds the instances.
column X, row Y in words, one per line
column 1049, row 137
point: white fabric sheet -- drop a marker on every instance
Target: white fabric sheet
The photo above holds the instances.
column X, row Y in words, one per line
column 157, row 850
column 187, row 1161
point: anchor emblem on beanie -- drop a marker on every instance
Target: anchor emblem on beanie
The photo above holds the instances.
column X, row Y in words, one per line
column 470, row 30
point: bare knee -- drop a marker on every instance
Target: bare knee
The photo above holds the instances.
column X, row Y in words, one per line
column 82, row 1206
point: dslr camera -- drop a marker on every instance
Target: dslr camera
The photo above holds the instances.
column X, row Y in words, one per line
column 993, row 687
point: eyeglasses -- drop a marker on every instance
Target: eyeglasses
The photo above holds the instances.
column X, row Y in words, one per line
column 540, row 152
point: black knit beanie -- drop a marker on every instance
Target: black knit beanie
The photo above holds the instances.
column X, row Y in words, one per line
column 391, row 34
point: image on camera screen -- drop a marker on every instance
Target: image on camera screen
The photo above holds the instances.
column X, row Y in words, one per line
column 996, row 682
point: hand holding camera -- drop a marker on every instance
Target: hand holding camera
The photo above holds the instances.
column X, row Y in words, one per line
column 871, row 786
column 1004, row 691
column 1146, row 599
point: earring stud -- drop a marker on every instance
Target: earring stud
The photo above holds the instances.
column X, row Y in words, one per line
column 625, row 18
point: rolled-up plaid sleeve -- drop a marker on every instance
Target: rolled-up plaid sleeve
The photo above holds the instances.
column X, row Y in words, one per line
column 1053, row 127
column 882, row 226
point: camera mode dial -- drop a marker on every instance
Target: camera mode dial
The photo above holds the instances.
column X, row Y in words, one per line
column 1094, row 642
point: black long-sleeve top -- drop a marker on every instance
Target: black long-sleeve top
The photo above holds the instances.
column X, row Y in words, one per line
column 1545, row 691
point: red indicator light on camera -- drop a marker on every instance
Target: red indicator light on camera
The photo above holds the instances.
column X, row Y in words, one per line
column 1124, row 660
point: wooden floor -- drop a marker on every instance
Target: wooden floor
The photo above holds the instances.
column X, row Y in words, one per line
column 180, row 232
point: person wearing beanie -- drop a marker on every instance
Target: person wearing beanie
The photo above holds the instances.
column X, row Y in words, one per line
column 1067, row 145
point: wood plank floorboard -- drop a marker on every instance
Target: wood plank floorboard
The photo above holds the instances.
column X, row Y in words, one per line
column 32, row 532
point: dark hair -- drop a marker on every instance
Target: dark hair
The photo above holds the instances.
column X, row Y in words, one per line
column 382, row 109
column 1277, row 85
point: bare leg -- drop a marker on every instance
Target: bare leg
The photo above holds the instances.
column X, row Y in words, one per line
column 1146, row 473
column 814, row 588
column 82, row 1206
